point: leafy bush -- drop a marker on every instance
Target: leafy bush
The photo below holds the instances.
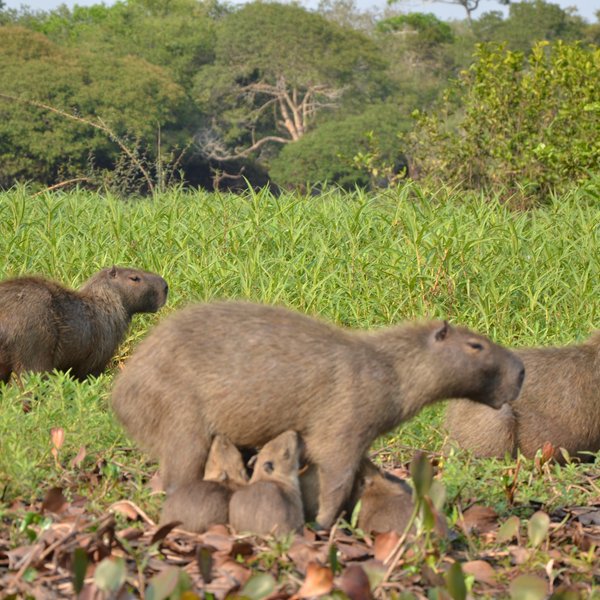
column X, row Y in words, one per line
column 522, row 124
column 326, row 154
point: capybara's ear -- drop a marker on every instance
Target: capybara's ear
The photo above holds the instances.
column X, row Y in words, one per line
column 113, row 271
column 268, row 467
column 441, row 333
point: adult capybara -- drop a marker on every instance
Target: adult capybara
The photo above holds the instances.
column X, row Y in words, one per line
column 200, row 504
column 271, row 503
column 45, row 326
column 251, row 371
column 559, row 403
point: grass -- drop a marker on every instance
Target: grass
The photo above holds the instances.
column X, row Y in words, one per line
column 523, row 278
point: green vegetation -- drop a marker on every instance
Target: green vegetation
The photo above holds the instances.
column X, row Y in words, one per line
column 527, row 125
column 142, row 92
column 357, row 260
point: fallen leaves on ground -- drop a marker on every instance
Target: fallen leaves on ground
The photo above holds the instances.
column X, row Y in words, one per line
column 58, row 548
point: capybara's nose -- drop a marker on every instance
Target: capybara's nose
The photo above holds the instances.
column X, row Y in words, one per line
column 166, row 288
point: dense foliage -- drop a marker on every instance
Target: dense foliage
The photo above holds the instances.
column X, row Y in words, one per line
column 256, row 90
column 517, row 122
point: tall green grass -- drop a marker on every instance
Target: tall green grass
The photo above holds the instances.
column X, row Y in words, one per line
column 358, row 260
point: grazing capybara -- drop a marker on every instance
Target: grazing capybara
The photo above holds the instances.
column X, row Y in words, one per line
column 251, row 371
column 45, row 326
column 559, row 403
column 271, row 503
column 386, row 501
column 200, row 504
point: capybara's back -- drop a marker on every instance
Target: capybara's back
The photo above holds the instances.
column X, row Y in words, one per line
column 45, row 326
column 559, row 403
column 252, row 371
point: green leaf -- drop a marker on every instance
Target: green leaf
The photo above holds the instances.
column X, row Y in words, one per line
column 79, row 565
column 508, row 530
column 528, row 587
column 421, row 472
column 455, row 582
column 170, row 582
column 258, row 586
column 537, row 528
column 110, row 574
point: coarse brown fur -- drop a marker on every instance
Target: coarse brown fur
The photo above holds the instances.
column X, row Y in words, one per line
column 386, row 501
column 252, row 371
column 309, row 486
column 271, row 503
column 559, row 403
column 45, row 326
column 200, row 504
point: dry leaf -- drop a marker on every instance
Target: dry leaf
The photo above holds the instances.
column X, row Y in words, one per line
column 303, row 552
column 481, row 570
column 131, row 511
column 480, row 519
column 54, row 501
column 319, row 580
column 355, row 583
column 81, row 454
column 385, row 544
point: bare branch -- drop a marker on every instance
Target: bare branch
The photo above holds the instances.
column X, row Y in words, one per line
column 100, row 125
column 211, row 146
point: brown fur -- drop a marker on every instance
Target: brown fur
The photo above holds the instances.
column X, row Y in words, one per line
column 251, row 371
column 559, row 403
column 271, row 503
column 386, row 501
column 45, row 326
column 200, row 504
column 309, row 486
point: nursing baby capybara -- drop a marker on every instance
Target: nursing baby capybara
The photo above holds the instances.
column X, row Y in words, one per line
column 251, row 372
column 45, row 326
column 200, row 504
column 386, row 501
column 559, row 403
column 271, row 503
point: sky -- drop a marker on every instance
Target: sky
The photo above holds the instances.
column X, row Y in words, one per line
column 586, row 8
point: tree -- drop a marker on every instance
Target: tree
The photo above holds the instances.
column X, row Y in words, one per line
column 528, row 23
column 326, row 154
column 524, row 125
column 132, row 97
column 175, row 34
column 470, row 6
column 277, row 67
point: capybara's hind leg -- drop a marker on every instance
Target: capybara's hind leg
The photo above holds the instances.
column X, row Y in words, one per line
column 5, row 371
column 183, row 461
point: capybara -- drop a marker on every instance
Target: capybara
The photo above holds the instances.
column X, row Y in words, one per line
column 45, row 326
column 559, row 403
column 271, row 503
column 200, row 504
column 386, row 501
column 251, row 371
column 367, row 472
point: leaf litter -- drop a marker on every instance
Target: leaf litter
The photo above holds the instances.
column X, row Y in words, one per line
column 61, row 549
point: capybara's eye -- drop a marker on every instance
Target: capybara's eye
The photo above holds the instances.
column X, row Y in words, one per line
column 134, row 278
column 268, row 467
column 475, row 345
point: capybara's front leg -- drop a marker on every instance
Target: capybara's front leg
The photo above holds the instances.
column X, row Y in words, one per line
column 336, row 478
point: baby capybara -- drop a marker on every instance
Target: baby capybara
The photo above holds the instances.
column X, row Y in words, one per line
column 45, row 326
column 559, row 403
column 271, row 503
column 386, row 501
column 200, row 504
column 251, row 371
